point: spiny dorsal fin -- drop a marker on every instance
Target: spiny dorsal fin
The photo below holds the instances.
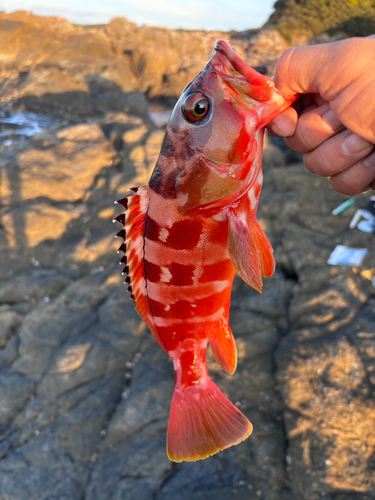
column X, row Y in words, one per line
column 133, row 219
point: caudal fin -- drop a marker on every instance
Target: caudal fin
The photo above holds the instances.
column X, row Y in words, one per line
column 202, row 422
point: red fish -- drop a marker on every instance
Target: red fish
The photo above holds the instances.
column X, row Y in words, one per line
column 189, row 231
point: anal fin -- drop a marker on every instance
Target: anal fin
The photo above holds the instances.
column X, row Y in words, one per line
column 250, row 250
column 223, row 345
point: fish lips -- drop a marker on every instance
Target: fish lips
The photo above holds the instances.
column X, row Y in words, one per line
column 239, row 75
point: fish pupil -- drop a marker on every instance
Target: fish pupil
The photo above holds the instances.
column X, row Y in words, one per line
column 200, row 107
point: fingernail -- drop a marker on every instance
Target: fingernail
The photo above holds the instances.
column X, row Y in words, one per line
column 370, row 160
column 354, row 144
column 284, row 127
column 331, row 121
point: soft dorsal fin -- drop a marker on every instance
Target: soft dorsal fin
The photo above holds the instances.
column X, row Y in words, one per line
column 134, row 220
column 250, row 250
column 223, row 345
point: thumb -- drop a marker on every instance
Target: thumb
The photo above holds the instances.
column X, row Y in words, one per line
column 324, row 69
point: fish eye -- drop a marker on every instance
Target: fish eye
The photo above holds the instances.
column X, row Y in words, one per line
column 195, row 107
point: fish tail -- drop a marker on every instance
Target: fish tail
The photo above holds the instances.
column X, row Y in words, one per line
column 202, row 422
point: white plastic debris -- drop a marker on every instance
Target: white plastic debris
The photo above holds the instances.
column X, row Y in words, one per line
column 346, row 256
column 366, row 226
column 369, row 219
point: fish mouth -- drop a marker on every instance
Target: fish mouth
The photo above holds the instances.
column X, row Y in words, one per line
column 245, row 80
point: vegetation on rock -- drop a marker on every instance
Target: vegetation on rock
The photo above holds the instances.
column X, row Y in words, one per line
column 314, row 17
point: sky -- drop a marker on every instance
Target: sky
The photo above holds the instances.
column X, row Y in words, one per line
column 223, row 15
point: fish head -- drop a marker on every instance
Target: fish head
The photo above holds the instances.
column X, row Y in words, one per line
column 213, row 129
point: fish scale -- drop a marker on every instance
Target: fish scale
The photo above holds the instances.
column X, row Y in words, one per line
column 190, row 230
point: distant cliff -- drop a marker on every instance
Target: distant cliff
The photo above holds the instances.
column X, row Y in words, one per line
column 313, row 18
column 50, row 65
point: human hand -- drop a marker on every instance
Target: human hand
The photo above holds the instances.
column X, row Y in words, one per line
column 333, row 121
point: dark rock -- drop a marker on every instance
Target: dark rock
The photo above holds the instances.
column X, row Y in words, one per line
column 34, row 285
column 134, row 468
column 9, row 321
column 14, row 392
column 148, row 399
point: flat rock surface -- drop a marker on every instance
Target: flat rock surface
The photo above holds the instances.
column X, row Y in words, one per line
column 84, row 388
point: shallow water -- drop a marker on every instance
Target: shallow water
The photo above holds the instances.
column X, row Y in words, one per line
column 22, row 124
column 17, row 128
column 159, row 114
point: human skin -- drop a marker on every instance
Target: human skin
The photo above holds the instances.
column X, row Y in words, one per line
column 333, row 121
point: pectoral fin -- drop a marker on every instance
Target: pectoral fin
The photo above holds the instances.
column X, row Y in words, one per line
column 223, row 345
column 250, row 251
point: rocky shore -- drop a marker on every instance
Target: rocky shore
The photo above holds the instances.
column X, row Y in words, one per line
column 84, row 388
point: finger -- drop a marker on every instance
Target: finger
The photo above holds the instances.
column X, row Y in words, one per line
column 356, row 179
column 314, row 127
column 337, row 154
column 284, row 124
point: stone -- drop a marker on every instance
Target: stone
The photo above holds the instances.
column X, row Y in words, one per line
column 329, row 418
column 15, row 390
column 134, row 467
column 49, row 172
column 50, row 81
column 9, row 321
column 148, row 399
column 36, row 284
column 41, row 222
